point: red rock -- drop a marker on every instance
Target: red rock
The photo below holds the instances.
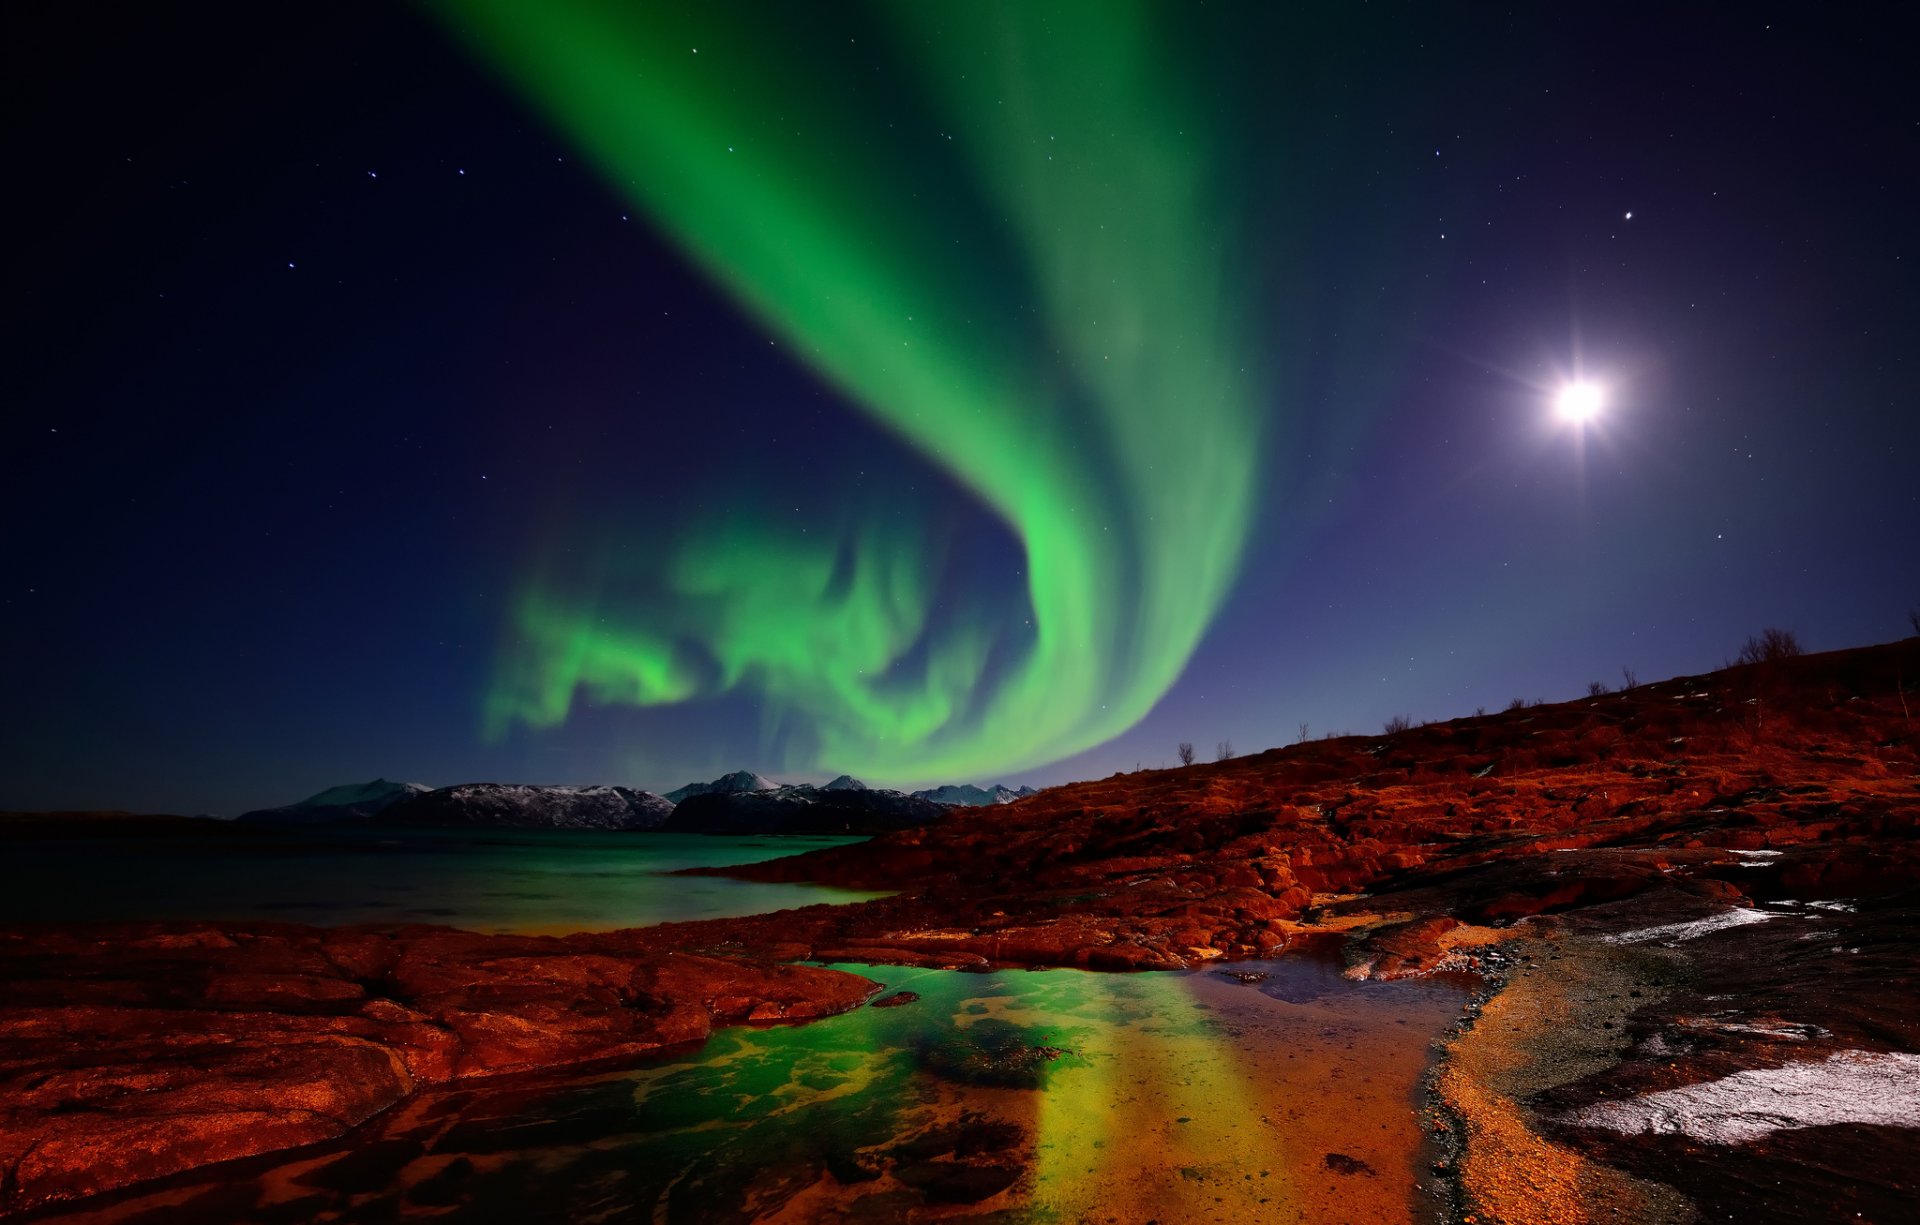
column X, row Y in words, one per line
column 186, row 1047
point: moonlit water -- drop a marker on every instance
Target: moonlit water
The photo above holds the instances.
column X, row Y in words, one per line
column 488, row 881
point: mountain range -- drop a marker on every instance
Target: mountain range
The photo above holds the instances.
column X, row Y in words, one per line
column 521, row 806
column 742, row 802
column 969, row 796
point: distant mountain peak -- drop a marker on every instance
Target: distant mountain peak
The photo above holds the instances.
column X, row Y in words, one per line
column 971, row 796
column 378, row 792
column 726, row 784
column 346, row 802
column 846, row 782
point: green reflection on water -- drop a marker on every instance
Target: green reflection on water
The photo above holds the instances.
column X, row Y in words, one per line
column 1055, row 1096
column 1080, row 1095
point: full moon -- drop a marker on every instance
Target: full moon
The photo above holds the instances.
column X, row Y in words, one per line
column 1578, row 402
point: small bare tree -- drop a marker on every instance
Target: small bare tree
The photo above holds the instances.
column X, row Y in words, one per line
column 1770, row 646
column 1186, row 752
column 1597, row 689
column 1223, row 750
column 1913, row 619
column 1517, row 704
column 1399, row 723
column 1629, row 679
column 1302, row 737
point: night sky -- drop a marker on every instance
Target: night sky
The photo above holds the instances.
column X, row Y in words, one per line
column 624, row 393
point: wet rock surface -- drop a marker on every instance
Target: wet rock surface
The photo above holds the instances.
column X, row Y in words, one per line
column 990, row 1052
column 132, row 1051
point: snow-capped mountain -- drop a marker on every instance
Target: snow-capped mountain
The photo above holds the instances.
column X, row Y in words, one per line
column 347, row 802
column 846, row 782
column 524, row 806
column 972, row 796
column 726, row 784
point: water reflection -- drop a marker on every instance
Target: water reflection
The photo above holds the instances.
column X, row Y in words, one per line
column 1057, row 1096
column 489, row 881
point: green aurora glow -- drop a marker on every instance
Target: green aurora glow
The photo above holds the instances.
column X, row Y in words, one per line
column 1050, row 307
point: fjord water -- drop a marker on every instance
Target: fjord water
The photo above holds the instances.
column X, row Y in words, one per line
column 488, row 881
column 1051, row 1096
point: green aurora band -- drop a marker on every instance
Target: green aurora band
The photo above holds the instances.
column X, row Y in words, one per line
column 1050, row 307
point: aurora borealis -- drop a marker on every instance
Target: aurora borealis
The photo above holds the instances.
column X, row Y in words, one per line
column 627, row 393
column 1063, row 305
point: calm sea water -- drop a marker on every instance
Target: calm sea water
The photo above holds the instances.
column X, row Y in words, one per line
column 1056, row 1096
column 494, row 881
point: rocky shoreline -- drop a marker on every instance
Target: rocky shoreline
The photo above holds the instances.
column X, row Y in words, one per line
column 130, row 1052
column 1741, row 850
column 1609, row 1074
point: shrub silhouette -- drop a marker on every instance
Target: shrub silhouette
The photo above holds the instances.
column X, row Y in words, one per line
column 1399, row 723
column 1186, row 752
column 1770, row 646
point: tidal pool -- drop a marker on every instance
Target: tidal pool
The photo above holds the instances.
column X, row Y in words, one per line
column 1050, row 1096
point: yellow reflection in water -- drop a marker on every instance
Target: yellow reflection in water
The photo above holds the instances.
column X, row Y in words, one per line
column 1157, row 1118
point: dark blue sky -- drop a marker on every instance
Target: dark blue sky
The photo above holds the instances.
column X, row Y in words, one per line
column 313, row 329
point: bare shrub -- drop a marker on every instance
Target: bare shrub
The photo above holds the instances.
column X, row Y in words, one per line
column 1302, row 737
column 1186, row 752
column 1629, row 679
column 1479, row 712
column 1597, row 689
column 1913, row 619
column 1770, row 646
column 1399, row 723
column 1223, row 750
column 1517, row 704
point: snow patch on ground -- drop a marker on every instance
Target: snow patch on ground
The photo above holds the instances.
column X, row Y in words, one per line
column 1850, row 1087
column 1738, row 917
column 1791, row 1031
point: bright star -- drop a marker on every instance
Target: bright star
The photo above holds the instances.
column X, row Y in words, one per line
column 1579, row 402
